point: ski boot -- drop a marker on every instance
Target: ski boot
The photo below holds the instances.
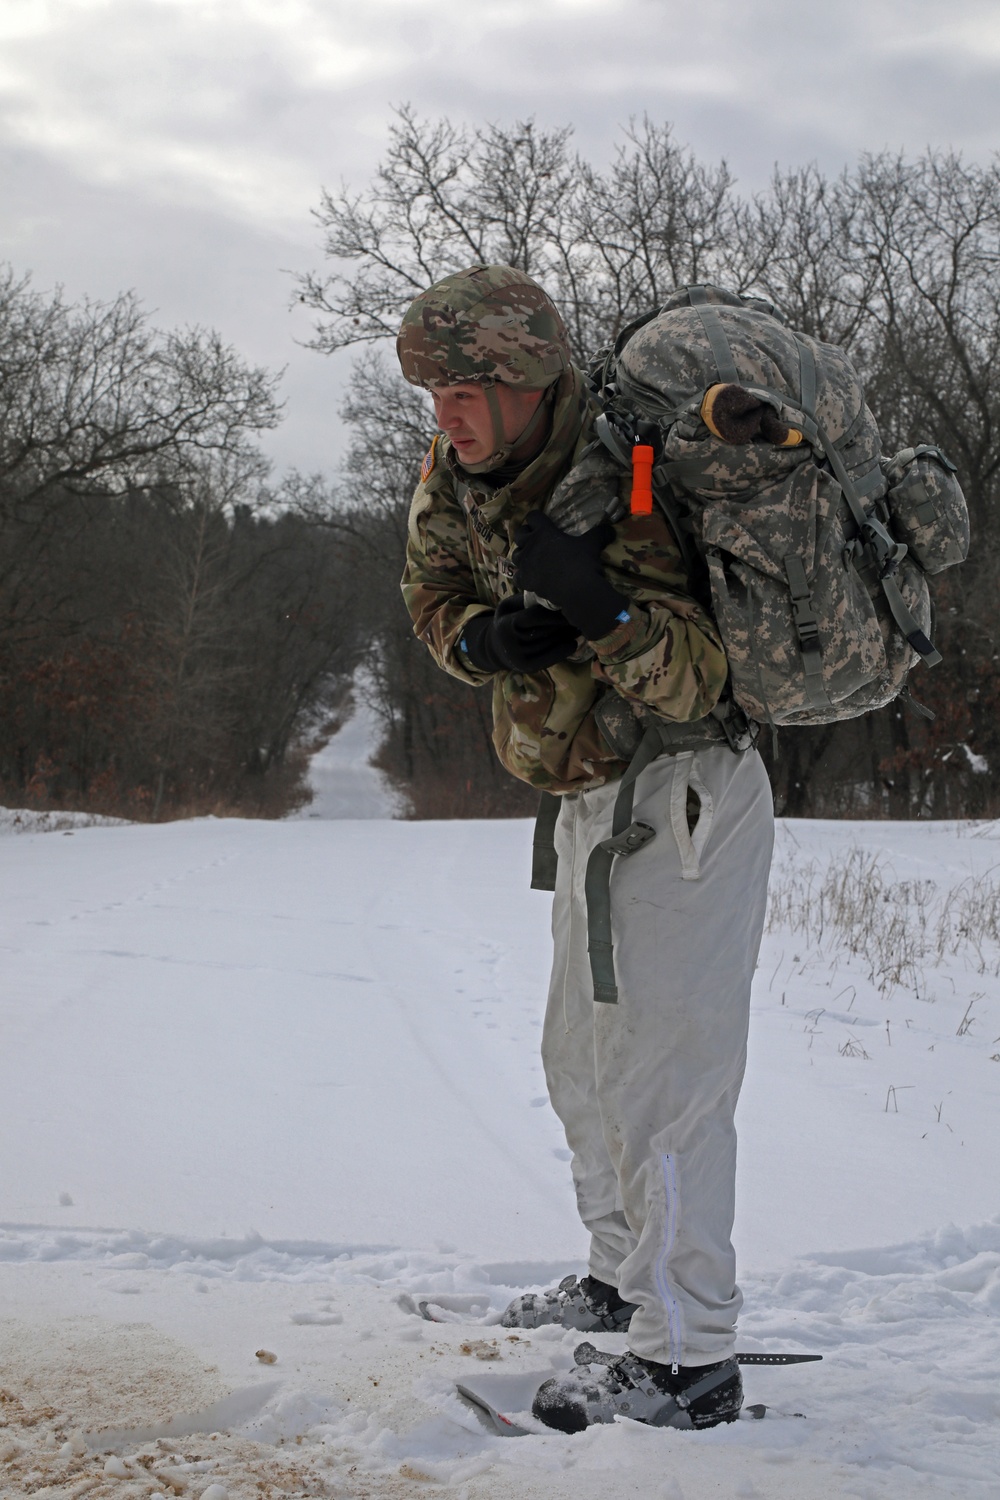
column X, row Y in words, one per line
column 588, row 1306
column 605, row 1386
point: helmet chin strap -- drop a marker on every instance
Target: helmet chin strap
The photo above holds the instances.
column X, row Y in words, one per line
column 504, row 447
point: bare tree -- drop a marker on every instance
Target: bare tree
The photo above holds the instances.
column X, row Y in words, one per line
column 792, row 243
column 444, row 198
column 656, row 219
column 93, row 395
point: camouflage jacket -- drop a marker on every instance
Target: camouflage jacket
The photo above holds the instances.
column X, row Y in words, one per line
column 667, row 658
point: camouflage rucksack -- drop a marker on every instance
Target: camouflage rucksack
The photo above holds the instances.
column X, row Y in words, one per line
column 812, row 548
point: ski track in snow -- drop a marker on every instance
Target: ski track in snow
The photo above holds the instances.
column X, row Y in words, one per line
column 329, row 1031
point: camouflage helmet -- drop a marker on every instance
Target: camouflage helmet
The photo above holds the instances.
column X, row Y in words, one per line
column 489, row 323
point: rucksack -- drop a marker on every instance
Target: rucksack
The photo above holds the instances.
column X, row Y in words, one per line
column 811, row 547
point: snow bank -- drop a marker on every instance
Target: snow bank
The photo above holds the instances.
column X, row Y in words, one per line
column 26, row 820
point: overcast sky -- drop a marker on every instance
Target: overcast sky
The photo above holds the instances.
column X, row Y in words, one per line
column 178, row 146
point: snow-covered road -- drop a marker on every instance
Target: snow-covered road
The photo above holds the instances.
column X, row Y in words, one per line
column 259, row 1080
column 309, row 1030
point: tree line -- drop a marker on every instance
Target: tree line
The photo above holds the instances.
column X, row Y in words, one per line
column 898, row 259
column 171, row 628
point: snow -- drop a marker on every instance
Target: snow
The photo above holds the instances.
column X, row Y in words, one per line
column 977, row 763
column 265, row 1086
column 342, row 782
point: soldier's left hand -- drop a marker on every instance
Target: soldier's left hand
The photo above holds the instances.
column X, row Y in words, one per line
column 567, row 571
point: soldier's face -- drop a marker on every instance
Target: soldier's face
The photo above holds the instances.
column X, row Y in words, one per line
column 463, row 413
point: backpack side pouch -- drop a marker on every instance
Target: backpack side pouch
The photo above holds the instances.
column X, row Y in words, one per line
column 927, row 507
column 900, row 656
column 801, row 628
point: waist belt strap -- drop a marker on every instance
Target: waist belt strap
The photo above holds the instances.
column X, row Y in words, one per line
column 626, row 838
column 544, row 860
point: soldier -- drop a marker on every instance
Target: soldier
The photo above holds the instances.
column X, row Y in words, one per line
column 626, row 656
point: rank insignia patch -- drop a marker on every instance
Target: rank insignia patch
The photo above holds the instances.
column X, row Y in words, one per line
column 430, row 459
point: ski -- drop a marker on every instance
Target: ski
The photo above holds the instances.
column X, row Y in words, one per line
column 503, row 1426
column 494, row 1419
column 516, row 1392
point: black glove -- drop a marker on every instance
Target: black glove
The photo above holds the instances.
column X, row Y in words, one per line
column 567, row 571
column 517, row 639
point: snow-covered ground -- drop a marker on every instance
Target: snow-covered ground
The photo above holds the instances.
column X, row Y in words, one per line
column 264, row 1084
column 343, row 783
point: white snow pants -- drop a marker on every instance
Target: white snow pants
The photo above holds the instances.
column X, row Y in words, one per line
column 646, row 1089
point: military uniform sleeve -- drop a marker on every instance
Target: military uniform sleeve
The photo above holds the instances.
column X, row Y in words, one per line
column 439, row 584
column 669, row 656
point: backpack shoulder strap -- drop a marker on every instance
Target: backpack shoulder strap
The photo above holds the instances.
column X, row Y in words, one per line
column 716, row 335
column 678, row 517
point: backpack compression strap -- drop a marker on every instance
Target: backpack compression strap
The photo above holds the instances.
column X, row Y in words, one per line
column 886, row 553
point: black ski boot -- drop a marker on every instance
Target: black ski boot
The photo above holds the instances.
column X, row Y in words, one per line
column 588, row 1305
column 605, row 1386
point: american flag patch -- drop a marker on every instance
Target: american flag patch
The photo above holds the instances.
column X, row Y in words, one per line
column 430, row 459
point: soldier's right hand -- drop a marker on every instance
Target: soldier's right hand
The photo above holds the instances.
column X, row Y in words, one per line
column 515, row 638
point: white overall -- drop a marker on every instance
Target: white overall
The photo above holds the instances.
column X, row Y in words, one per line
column 646, row 1089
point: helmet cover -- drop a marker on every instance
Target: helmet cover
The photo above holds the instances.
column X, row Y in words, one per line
column 489, row 323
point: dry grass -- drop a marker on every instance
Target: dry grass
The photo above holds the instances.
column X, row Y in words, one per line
column 899, row 928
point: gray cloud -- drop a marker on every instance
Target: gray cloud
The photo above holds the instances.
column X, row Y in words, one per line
column 178, row 146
